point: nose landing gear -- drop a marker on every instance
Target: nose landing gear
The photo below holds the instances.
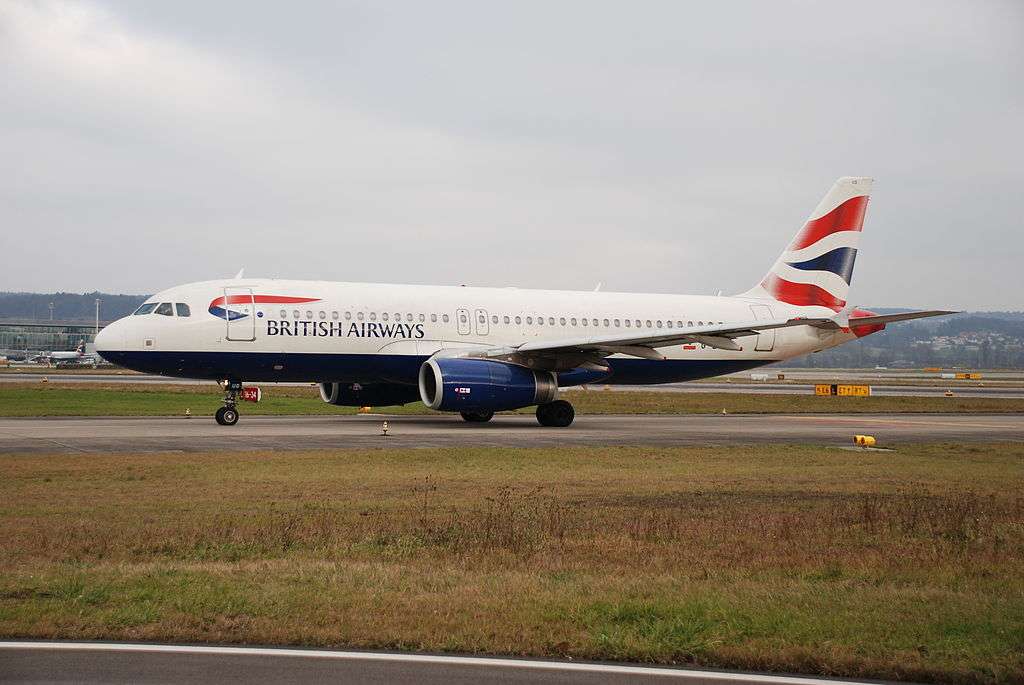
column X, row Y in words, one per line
column 228, row 414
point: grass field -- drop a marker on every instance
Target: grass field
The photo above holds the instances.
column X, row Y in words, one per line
column 906, row 564
column 141, row 399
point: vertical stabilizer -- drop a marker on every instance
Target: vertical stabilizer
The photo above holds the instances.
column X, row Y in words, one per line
column 817, row 267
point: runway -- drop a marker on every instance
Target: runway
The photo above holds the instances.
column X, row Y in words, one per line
column 48, row 662
column 154, row 434
column 1006, row 389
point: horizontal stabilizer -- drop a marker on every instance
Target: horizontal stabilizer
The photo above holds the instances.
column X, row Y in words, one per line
column 877, row 319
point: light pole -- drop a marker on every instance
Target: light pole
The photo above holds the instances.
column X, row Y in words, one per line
column 98, row 314
column 51, row 310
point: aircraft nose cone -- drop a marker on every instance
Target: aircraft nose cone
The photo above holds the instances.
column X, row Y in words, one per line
column 110, row 339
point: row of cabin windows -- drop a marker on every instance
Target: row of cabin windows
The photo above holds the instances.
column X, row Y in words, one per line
column 506, row 319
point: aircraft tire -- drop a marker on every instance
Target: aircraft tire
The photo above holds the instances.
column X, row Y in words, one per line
column 226, row 416
column 557, row 414
column 477, row 416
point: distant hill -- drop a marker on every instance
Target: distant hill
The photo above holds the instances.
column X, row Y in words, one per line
column 67, row 306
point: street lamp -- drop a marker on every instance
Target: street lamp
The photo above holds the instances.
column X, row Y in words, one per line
column 98, row 300
column 51, row 310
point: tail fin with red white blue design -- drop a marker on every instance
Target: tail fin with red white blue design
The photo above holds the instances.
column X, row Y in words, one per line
column 817, row 267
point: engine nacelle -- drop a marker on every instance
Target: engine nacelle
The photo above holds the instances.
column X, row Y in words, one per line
column 460, row 384
column 370, row 395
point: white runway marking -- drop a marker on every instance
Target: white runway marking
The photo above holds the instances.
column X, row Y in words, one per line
column 494, row 662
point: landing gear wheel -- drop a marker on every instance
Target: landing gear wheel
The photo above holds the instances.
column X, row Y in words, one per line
column 226, row 416
column 477, row 416
column 557, row 414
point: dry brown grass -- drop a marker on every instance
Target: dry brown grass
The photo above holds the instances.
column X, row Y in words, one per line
column 891, row 565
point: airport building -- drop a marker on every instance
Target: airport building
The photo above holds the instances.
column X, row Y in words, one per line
column 20, row 335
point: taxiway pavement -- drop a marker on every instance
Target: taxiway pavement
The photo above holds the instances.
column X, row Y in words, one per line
column 152, row 434
column 62, row 662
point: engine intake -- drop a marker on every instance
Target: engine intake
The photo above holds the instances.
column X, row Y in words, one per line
column 460, row 384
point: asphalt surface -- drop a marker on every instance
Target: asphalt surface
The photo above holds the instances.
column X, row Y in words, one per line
column 142, row 434
column 107, row 662
column 1007, row 388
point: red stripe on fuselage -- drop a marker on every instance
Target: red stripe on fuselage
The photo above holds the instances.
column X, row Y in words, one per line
column 261, row 299
column 848, row 216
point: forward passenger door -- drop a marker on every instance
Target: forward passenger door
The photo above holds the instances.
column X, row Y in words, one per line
column 240, row 313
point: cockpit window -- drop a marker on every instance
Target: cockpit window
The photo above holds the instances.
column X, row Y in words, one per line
column 146, row 309
column 183, row 309
column 165, row 309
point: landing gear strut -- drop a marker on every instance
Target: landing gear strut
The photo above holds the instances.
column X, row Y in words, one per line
column 228, row 414
column 557, row 414
column 477, row 416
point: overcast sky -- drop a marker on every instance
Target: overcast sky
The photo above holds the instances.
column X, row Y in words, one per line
column 664, row 147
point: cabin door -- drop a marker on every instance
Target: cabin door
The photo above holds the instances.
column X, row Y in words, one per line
column 765, row 339
column 240, row 313
column 462, row 319
column 482, row 327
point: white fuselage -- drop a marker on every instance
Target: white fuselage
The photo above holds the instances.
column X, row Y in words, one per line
column 261, row 329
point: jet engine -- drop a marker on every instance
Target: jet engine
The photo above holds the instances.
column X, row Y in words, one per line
column 483, row 385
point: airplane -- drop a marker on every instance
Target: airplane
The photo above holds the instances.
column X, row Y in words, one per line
column 79, row 357
column 477, row 351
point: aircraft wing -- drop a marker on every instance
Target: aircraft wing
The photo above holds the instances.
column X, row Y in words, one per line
column 720, row 336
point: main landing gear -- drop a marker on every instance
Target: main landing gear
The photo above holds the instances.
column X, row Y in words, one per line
column 477, row 416
column 228, row 414
column 557, row 414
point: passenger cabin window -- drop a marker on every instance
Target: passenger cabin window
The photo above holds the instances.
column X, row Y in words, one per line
column 284, row 314
column 519, row 319
column 165, row 309
column 616, row 322
column 444, row 318
column 146, row 309
column 433, row 318
column 322, row 314
column 334, row 315
column 183, row 309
